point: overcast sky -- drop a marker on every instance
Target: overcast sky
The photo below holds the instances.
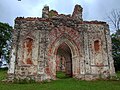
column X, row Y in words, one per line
column 92, row 9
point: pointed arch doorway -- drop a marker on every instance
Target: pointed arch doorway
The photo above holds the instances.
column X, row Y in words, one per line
column 64, row 60
column 63, row 48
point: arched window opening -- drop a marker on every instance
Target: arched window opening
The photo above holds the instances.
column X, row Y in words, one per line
column 96, row 45
column 27, row 51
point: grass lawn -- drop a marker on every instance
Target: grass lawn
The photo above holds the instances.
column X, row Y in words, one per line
column 61, row 84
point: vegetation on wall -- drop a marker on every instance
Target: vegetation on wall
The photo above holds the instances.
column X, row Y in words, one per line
column 53, row 13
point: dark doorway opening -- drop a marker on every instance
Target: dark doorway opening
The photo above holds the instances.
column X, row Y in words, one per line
column 64, row 61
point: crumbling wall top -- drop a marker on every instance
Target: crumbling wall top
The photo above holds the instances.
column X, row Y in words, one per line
column 77, row 13
column 52, row 15
column 60, row 16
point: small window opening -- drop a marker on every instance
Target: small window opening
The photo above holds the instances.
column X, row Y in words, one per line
column 97, row 45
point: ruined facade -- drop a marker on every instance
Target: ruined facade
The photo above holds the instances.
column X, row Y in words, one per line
column 58, row 42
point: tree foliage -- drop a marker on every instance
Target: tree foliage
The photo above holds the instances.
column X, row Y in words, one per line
column 114, row 21
column 116, row 51
column 5, row 38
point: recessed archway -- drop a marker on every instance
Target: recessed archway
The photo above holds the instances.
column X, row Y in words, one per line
column 66, row 42
column 64, row 60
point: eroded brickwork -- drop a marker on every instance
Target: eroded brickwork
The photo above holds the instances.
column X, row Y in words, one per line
column 58, row 42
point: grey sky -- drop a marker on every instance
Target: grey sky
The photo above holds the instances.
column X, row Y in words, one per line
column 92, row 9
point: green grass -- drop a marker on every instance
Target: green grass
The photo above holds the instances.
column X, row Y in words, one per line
column 61, row 75
column 3, row 74
column 118, row 74
column 61, row 84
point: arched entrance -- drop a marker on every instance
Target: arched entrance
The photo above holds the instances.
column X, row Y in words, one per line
column 62, row 48
column 64, row 60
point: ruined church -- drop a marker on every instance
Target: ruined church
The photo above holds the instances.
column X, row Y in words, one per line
column 56, row 42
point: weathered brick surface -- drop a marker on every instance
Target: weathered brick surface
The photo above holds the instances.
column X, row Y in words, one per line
column 42, row 46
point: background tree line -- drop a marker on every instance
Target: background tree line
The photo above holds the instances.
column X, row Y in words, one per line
column 114, row 20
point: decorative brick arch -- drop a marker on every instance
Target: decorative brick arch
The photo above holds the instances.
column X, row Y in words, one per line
column 61, row 32
column 65, row 39
column 52, row 52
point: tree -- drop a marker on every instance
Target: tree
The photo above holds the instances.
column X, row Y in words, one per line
column 114, row 20
column 116, row 51
column 5, row 39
